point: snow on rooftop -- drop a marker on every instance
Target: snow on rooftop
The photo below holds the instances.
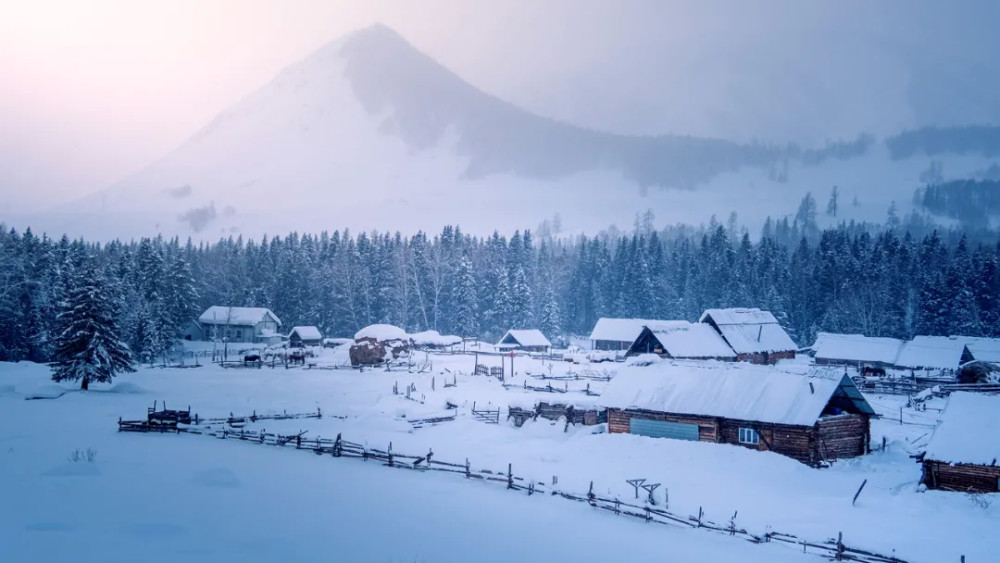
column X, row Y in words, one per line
column 307, row 333
column 220, row 315
column 984, row 349
column 382, row 333
column 778, row 395
column 932, row 352
column 750, row 331
column 527, row 337
column 968, row 432
column 682, row 339
column 434, row 338
column 619, row 330
column 856, row 348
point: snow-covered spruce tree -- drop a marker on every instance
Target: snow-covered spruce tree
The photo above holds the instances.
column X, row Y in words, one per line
column 88, row 347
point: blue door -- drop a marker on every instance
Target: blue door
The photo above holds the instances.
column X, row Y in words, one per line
column 660, row 429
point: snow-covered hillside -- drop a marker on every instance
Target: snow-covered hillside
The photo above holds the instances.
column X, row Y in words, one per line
column 369, row 133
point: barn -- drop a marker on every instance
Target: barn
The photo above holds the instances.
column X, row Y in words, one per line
column 863, row 352
column 617, row 334
column 681, row 340
column 754, row 335
column 962, row 454
column 528, row 340
column 814, row 415
column 304, row 336
column 941, row 354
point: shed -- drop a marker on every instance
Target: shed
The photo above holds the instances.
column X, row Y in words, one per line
column 942, row 353
column 753, row 334
column 304, row 336
column 982, row 350
column 529, row 340
column 434, row 340
column 962, row 454
column 856, row 350
column 617, row 334
column 681, row 340
column 814, row 415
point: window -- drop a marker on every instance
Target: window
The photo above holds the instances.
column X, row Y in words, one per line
column 239, row 335
column 749, row 436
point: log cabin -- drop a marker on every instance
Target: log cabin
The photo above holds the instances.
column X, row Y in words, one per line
column 812, row 414
column 240, row 324
column 617, row 334
column 527, row 340
column 681, row 340
column 302, row 336
column 753, row 334
column 963, row 453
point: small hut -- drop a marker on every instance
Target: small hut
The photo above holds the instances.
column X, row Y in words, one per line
column 814, row 417
column 869, row 354
column 302, row 336
column 753, row 334
column 528, row 340
column 681, row 340
column 617, row 334
column 963, row 453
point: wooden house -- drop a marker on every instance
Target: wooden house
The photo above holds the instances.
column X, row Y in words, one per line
column 302, row 336
column 963, row 453
column 681, row 340
column 815, row 416
column 240, row 324
column 933, row 354
column 754, row 335
column 982, row 350
column 617, row 334
column 528, row 340
column 864, row 352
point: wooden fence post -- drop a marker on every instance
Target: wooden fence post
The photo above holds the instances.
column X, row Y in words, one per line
column 510, row 477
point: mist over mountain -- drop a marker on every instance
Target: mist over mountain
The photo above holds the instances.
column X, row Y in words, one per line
column 370, row 133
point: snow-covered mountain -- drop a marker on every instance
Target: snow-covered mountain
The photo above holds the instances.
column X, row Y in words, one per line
column 369, row 133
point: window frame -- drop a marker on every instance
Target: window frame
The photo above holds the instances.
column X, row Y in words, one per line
column 747, row 432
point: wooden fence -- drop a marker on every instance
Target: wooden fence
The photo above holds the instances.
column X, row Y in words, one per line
column 339, row 447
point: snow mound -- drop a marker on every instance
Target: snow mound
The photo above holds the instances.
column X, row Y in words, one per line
column 381, row 333
column 127, row 388
column 216, row 477
column 73, row 469
column 50, row 391
column 643, row 360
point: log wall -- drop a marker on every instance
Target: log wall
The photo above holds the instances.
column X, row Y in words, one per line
column 769, row 358
column 961, row 477
column 843, row 435
column 796, row 442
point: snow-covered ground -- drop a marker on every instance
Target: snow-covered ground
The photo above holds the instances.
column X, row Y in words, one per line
column 160, row 497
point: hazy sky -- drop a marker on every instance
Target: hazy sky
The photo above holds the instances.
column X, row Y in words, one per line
column 90, row 91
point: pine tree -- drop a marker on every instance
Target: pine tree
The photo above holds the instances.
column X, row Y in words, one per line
column 831, row 206
column 89, row 347
column 467, row 305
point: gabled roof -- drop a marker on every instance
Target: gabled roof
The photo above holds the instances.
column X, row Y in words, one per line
column 968, row 432
column 932, row 352
column 984, row 349
column 750, row 331
column 527, row 337
column 795, row 396
column 681, row 339
column 856, row 348
column 243, row 316
column 619, row 330
column 306, row 333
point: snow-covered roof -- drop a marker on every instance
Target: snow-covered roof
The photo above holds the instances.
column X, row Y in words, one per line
column 434, row 338
column 856, row 348
column 984, row 349
column 750, row 331
column 243, row 316
column 682, row 339
column 619, row 330
column 968, row 432
column 306, row 333
column 932, row 352
column 382, row 333
column 795, row 395
column 527, row 337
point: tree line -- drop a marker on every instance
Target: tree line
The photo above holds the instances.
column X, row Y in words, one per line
column 853, row 279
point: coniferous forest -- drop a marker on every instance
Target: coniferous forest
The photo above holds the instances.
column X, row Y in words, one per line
column 853, row 279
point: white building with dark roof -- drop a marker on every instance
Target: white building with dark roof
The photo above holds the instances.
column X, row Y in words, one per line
column 240, row 324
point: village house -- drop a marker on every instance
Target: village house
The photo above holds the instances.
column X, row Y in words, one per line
column 617, row 334
column 240, row 324
column 868, row 354
column 302, row 336
column 681, row 340
column 814, row 416
column 982, row 350
column 754, row 335
column 941, row 354
column 955, row 460
column 527, row 340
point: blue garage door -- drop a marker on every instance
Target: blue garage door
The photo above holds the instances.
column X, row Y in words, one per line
column 660, row 429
